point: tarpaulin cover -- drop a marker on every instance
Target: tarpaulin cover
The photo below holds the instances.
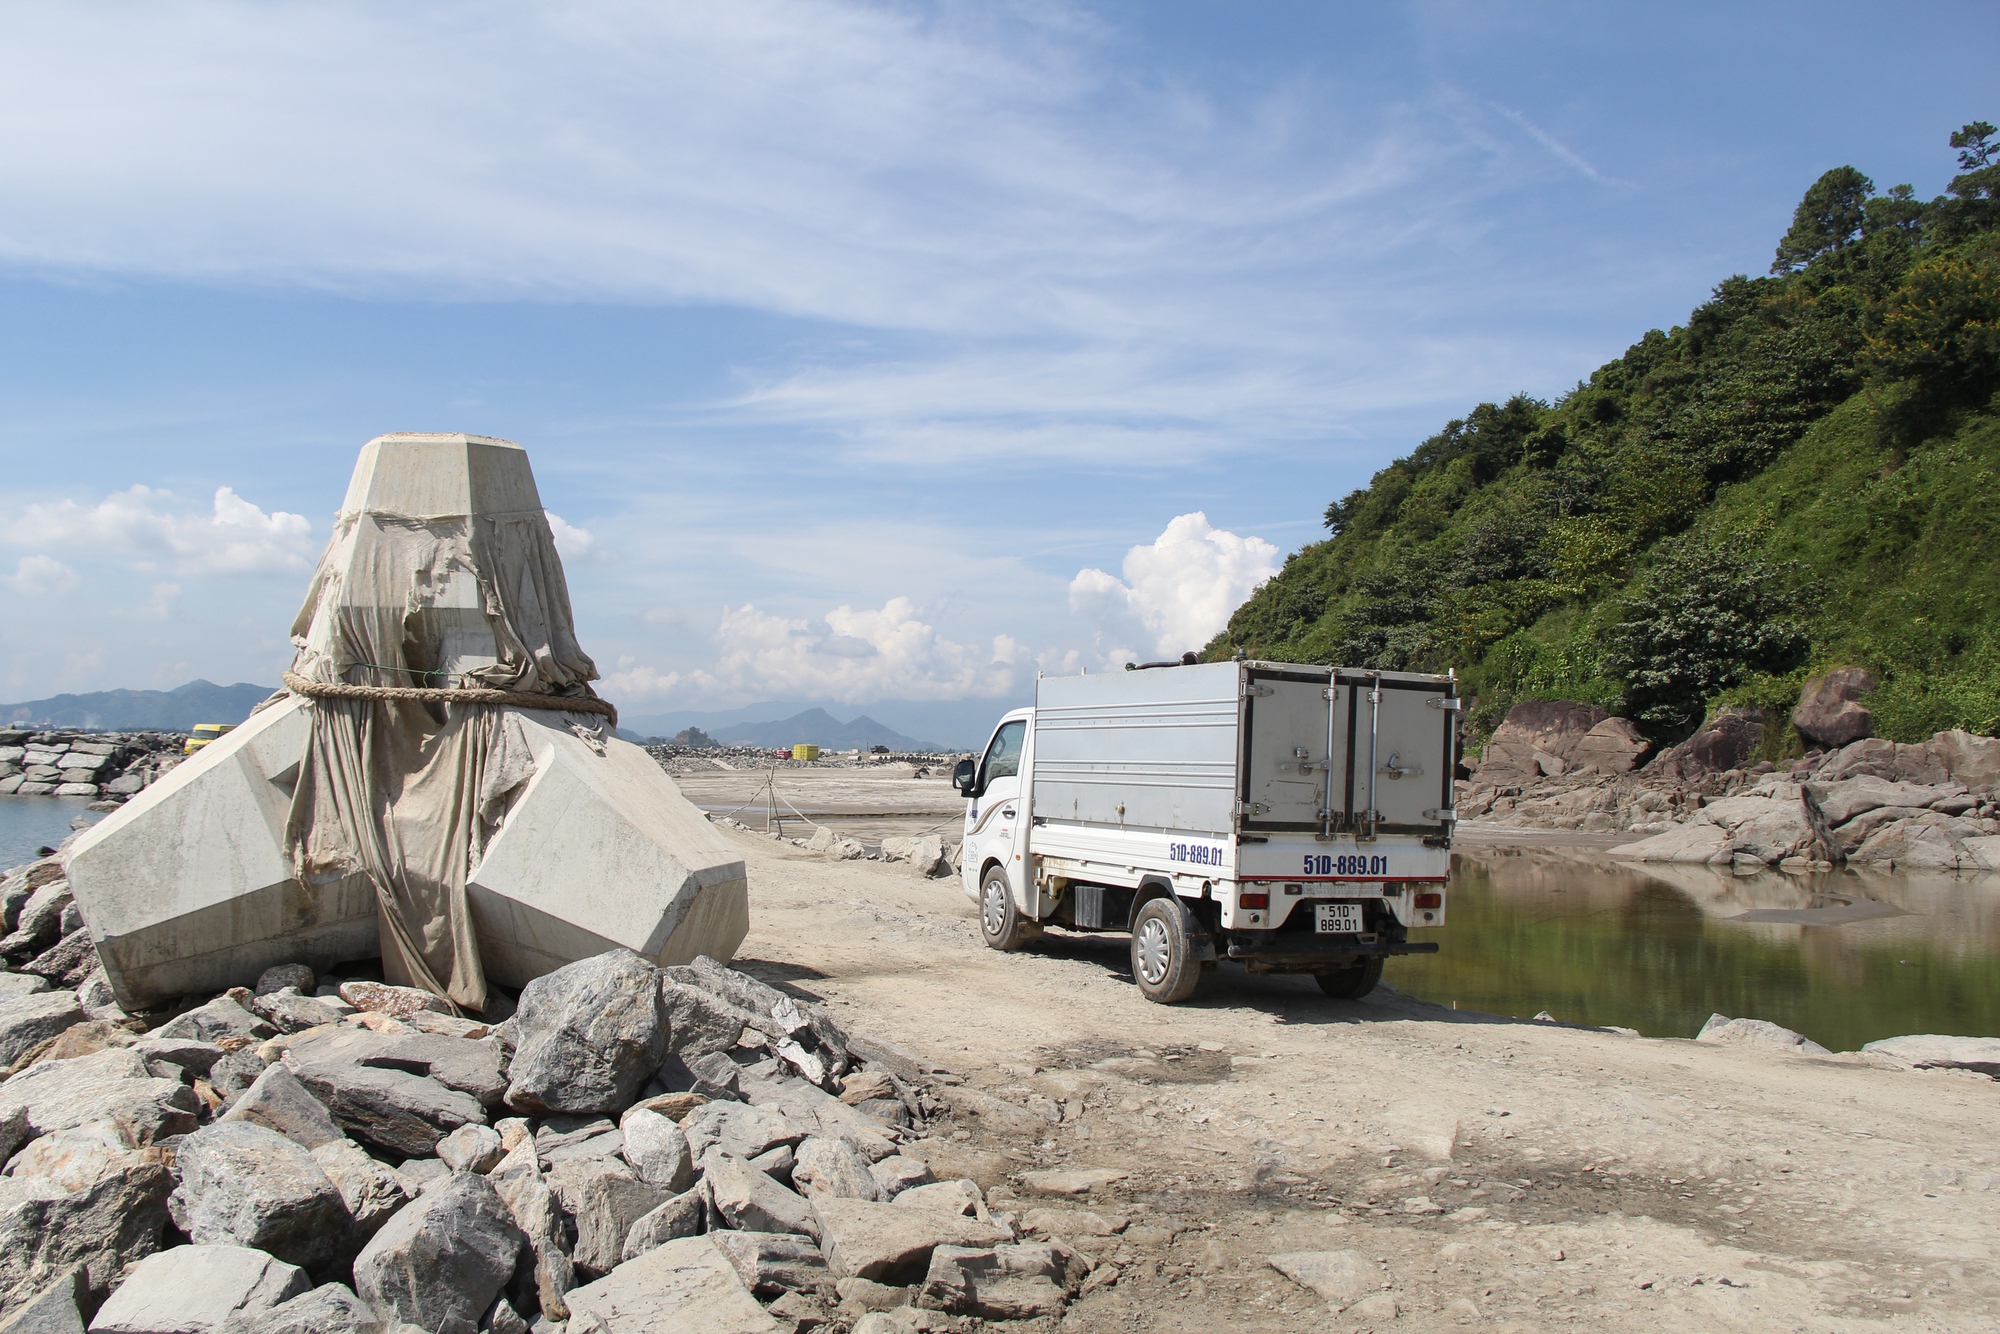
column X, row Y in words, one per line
column 442, row 571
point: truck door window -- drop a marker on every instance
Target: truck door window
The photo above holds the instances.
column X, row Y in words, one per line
column 1003, row 755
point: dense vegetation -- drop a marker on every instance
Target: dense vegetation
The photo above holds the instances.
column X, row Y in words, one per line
column 1805, row 475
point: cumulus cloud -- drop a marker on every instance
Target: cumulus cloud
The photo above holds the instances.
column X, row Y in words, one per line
column 233, row 537
column 1178, row 590
column 635, row 680
column 575, row 544
column 40, row 576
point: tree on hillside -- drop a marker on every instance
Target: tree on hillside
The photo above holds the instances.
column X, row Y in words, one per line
column 1829, row 218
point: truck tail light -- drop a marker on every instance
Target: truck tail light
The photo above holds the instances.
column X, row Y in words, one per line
column 1253, row 900
column 1430, row 900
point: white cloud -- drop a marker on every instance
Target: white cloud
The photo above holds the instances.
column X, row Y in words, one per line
column 234, row 537
column 635, row 680
column 1178, row 591
column 575, row 544
column 40, row 576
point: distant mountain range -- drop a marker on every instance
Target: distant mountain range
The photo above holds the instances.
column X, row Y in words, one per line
column 935, row 725
column 175, row 710
column 817, row 727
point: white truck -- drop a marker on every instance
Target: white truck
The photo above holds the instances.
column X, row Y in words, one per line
column 1294, row 818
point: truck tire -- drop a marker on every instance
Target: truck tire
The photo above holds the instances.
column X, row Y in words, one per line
column 1160, row 952
column 1352, row 982
column 1000, row 921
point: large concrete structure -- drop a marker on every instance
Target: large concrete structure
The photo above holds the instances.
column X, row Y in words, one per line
column 440, row 554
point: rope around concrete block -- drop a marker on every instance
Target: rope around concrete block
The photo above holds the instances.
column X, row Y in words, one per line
column 299, row 685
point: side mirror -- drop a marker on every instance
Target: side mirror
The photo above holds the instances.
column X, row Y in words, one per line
column 962, row 775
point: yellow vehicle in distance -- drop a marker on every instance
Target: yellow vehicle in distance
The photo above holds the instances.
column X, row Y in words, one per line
column 205, row 733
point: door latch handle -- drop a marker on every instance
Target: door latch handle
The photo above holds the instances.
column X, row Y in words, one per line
column 1008, row 813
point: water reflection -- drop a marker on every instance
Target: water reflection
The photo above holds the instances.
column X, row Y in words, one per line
column 1844, row 957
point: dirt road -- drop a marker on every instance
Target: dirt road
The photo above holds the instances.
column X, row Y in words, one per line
column 1487, row 1173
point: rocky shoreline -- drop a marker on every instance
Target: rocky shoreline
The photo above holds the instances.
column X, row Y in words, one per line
column 104, row 766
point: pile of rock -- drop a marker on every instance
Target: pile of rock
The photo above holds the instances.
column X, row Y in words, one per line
column 634, row 1148
column 102, row 765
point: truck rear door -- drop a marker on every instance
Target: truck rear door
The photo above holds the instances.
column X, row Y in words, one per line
column 1407, row 726
column 1295, row 749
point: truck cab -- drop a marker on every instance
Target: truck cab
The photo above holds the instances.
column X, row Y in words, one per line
column 1286, row 817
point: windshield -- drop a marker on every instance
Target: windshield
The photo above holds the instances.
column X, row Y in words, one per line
column 1003, row 755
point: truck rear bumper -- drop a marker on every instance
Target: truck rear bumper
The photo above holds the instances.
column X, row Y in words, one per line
column 1305, row 952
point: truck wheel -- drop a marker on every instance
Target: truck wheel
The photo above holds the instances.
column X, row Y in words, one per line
column 999, row 920
column 1160, row 962
column 1352, row 982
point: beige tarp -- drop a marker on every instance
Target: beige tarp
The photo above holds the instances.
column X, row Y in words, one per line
column 407, row 793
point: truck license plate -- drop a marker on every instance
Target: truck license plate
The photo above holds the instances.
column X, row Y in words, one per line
column 1339, row 918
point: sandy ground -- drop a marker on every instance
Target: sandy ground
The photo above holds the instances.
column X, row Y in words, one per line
column 1493, row 1174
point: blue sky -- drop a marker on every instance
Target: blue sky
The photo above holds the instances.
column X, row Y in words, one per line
column 865, row 351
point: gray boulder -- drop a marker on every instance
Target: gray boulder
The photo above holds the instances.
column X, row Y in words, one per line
column 177, row 1058
column 387, row 1106
column 197, row 1289
column 1829, row 711
column 56, row 1309
column 471, row 1067
column 278, row 1100
column 714, row 1076
column 998, row 1282
column 331, row 1308
column 444, row 1257
column 698, row 1023
column 657, row 1150
column 69, row 960
column 219, row 1021
column 29, row 1021
column 833, row 1167
column 40, row 922
column 46, row 1230
column 1725, row 1031
column 519, row 1180
column 682, row 1216
column 13, row 986
column 1726, row 741
column 111, row 1085
column 591, row 1034
column 896, row 1174
column 748, row 1200
column 865, row 1239
column 802, row 1036
column 471, row 1149
column 246, row 1184
column 292, row 1012
column 297, row 976
column 685, row 1285
column 371, row 1191
column 740, row 1130
column 820, row 1113
column 771, row 1263
column 603, row 1199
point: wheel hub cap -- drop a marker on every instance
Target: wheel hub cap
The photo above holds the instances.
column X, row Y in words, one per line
column 1152, row 951
column 994, row 907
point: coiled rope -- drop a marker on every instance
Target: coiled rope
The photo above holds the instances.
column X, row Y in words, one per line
column 299, row 685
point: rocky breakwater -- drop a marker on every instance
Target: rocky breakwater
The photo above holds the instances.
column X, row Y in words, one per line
column 634, row 1148
column 109, row 766
column 1929, row 805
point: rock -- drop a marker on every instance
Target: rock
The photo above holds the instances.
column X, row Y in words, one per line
column 864, row 1086
column 1762, row 827
column 1072, row 1223
column 184, row 1055
column 1725, row 742
column 1613, row 746
column 294, row 975
column 68, row 961
column 1339, row 1277
column 770, row 1263
column 868, row 1239
column 1929, row 1051
column 470, row 1067
column 739, row 1130
column 370, row 1191
column 1829, row 713
column 833, row 1167
column 503, row 1319
column 294, row 1013
column 750, row 1201
column 776, row 1163
column 719, row 1079
column 331, row 1308
column 280, row 1102
column 1069, row 1181
column 863, row 1294
column 196, row 1289
column 13, row 986
column 1968, row 758
column 603, row 1199
column 47, row 1231
column 952, row 1197
column 221, row 1021
column 657, row 1150
column 591, row 1034
column 385, row 1105
column 235, row 1073
column 819, row 1048
column 682, row 1216
column 674, row 1106
column 1843, row 800
column 471, row 1149
column 396, row 1002
column 78, row 1159
column 1756, row 1033
column 418, row 1173
column 39, row 923
column 56, row 1309
column 997, row 1283
column 519, row 1180
column 687, row 1286
column 94, row 994
column 896, row 1174
column 1379, row 1306
column 698, row 1023
column 446, row 1255
column 1926, row 841
column 111, row 1085
column 28, row 1021
column 1696, row 843
column 247, row 1185
column 819, row 1113
column 1553, row 727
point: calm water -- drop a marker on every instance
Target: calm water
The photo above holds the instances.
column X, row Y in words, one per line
column 1851, row 956
column 28, row 823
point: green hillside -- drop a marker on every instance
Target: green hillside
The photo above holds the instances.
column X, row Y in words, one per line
column 1804, row 475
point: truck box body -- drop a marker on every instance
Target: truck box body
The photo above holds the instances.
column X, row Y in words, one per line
column 1250, row 789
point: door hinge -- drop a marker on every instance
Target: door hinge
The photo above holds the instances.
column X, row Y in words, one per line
column 1251, row 690
column 1252, row 808
column 1449, row 703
